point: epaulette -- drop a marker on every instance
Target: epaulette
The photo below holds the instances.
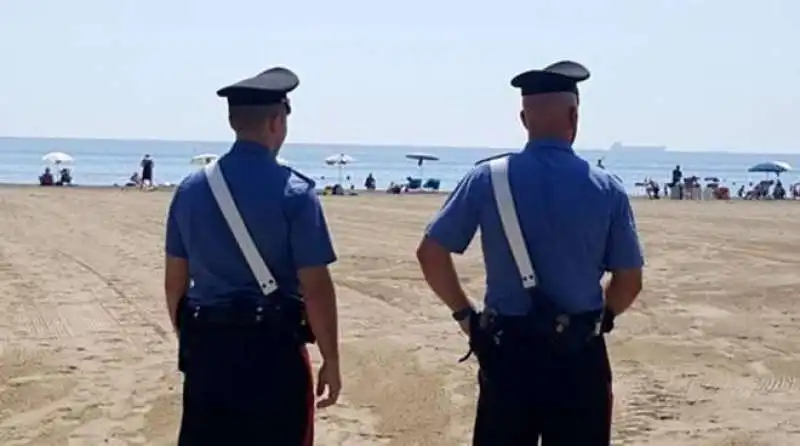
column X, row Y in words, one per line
column 311, row 183
column 616, row 178
column 494, row 157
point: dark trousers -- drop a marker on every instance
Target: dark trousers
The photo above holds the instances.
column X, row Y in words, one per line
column 528, row 392
column 244, row 386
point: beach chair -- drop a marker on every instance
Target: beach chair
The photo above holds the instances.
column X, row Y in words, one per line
column 413, row 183
column 432, row 184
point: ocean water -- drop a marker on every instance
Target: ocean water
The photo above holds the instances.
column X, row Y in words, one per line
column 107, row 162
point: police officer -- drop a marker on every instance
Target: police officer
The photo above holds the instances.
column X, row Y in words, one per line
column 243, row 237
column 551, row 225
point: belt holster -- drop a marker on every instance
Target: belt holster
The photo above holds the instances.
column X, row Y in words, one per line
column 484, row 340
column 565, row 333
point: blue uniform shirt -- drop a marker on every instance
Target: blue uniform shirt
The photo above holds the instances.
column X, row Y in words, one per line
column 576, row 220
column 280, row 209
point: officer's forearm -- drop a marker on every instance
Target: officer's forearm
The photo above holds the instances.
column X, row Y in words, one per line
column 176, row 282
column 440, row 273
column 324, row 323
column 320, row 299
column 173, row 300
column 622, row 290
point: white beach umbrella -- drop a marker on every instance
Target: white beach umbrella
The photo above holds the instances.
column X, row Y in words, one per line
column 204, row 159
column 57, row 158
column 339, row 161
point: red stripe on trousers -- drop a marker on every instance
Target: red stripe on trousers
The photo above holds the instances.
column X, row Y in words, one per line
column 308, row 440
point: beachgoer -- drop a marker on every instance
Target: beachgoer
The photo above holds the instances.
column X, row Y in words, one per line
column 369, row 183
column 46, row 178
column 135, row 180
column 677, row 177
column 544, row 369
column 64, row 177
column 778, row 192
column 147, row 165
column 251, row 233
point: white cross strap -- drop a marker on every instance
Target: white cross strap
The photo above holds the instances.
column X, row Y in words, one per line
column 219, row 188
column 510, row 221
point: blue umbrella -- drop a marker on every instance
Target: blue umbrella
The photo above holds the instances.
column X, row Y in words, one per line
column 420, row 157
column 775, row 167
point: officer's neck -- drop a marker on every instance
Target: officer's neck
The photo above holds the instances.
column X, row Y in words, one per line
column 262, row 141
column 554, row 137
column 562, row 133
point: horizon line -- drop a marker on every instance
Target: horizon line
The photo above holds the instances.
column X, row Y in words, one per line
column 374, row 145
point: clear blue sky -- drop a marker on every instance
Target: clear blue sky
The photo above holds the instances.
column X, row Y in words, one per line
column 689, row 74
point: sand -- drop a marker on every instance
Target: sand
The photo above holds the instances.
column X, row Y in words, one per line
column 708, row 356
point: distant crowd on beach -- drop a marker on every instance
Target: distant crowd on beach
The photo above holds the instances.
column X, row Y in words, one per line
column 690, row 188
column 141, row 179
column 410, row 185
column 680, row 187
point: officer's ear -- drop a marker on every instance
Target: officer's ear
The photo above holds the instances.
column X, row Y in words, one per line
column 522, row 118
column 573, row 117
column 276, row 122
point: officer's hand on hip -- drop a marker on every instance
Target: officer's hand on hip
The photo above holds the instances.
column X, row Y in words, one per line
column 464, row 318
column 464, row 326
column 329, row 384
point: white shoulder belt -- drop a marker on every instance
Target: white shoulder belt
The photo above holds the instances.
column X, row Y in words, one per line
column 510, row 221
column 222, row 195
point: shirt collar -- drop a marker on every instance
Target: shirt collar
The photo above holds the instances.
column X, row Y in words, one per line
column 253, row 148
column 549, row 143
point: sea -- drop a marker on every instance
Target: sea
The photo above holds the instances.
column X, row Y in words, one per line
column 105, row 162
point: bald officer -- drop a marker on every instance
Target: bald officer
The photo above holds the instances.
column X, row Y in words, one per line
column 244, row 236
column 551, row 226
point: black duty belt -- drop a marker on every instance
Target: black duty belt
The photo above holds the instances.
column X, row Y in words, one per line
column 286, row 315
column 563, row 334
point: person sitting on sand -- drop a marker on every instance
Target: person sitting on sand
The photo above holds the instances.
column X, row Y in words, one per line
column 369, row 183
column 779, row 192
column 134, row 181
column 46, row 178
column 65, row 178
column 394, row 188
column 653, row 189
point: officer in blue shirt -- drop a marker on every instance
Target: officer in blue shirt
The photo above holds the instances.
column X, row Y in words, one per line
column 551, row 226
column 243, row 237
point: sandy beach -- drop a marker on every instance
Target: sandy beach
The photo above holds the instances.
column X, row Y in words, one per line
column 710, row 355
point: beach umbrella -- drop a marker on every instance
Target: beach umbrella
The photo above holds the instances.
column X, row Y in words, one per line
column 339, row 161
column 204, row 159
column 57, row 158
column 776, row 167
column 421, row 158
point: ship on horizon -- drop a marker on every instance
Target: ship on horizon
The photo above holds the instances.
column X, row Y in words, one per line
column 620, row 147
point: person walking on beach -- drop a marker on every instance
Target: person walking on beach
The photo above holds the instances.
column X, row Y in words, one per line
column 147, row 165
column 244, row 236
column 544, row 369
